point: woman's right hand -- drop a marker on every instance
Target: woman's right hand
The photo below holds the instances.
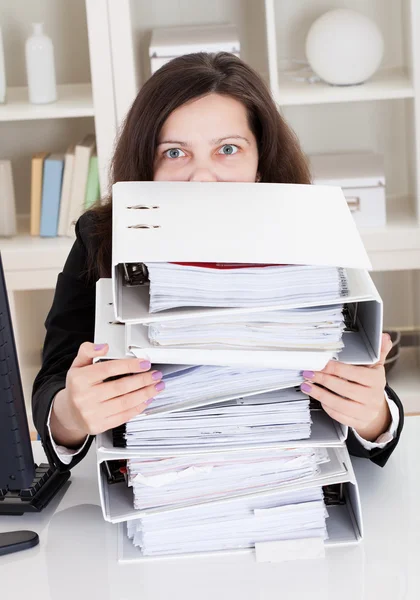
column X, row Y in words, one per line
column 89, row 405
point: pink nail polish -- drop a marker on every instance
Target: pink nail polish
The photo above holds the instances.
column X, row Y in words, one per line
column 305, row 387
column 160, row 386
column 149, row 401
column 145, row 365
column 98, row 347
column 308, row 374
column 156, row 375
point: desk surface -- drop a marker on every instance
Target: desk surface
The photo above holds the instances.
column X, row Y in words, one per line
column 76, row 557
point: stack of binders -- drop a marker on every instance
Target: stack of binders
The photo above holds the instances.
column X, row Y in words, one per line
column 231, row 455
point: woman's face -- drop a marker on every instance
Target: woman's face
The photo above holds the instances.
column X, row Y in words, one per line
column 207, row 139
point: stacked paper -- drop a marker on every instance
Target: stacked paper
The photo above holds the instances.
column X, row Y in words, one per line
column 208, row 385
column 267, row 418
column 192, row 478
column 242, row 523
column 317, row 328
column 173, row 285
column 226, row 456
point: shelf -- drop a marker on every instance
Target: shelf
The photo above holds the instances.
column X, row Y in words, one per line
column 405, row 379
column 385, row 85
column 33, row 262
column 74, row 100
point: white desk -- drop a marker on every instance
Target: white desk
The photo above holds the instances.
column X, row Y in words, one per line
column 76, row 557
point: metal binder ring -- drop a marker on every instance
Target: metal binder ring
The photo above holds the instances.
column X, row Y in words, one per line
column 142, row 207
column 143, row 226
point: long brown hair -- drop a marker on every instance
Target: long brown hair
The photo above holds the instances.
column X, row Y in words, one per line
column 185, row 78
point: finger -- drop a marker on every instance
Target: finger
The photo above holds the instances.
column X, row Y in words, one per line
column 98, row 372
column 386, row 345
column 347, row 407
column 123, row 417
column 126, row 402
column 342, row 418
column 355, row 373
column 342, row 387
column 87, row 352
column 133, row 383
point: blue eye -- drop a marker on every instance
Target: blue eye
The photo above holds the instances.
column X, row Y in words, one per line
column 173, row 153
column 229, row 149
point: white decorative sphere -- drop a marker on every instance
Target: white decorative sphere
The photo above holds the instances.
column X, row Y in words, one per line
column 344, row 47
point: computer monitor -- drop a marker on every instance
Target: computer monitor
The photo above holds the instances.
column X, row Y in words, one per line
column 17, row 468
column 24, row 486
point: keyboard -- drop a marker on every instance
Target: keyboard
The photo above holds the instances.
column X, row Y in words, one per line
column 45, row 485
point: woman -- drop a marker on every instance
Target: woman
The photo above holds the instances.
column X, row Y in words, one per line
column 201, row 117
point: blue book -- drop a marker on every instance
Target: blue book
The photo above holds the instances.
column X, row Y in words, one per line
column 51, row 194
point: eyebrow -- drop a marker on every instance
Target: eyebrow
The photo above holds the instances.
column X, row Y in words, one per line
column 214, row 141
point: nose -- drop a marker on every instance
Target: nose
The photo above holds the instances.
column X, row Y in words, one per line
column 202, row 174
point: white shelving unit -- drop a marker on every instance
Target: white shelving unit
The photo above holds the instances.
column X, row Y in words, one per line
column 32, row 264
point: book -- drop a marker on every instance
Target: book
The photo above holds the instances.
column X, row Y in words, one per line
column 92, row 186
column 66, row 190
column 36, row 191
column 82, row 153
column 51, row 194
column 8, row 224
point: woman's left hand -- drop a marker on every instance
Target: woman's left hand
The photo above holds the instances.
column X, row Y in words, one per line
column 353, row 395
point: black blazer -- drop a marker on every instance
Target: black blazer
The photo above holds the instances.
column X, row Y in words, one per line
column 70, row 322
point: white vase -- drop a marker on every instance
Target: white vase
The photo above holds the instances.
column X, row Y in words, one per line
column 40, row 68
column 2, row 72
column 8, row 225
column 344, row 47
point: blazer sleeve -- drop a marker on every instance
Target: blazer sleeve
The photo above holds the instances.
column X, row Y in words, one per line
column 69, row 323
column 379, row 456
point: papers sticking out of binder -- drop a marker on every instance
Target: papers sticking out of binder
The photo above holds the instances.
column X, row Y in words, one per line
column 353, row 335
column 331, row 472
column 174, row 285
column 324, row 431
column 268, row 418
column 209, row 385
column 206, row 383
column 351, row 332
column 137, row 343
column 319, row 328
column 339, row 525
column 244, row 523
column 331, row 465
column 188, row 480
